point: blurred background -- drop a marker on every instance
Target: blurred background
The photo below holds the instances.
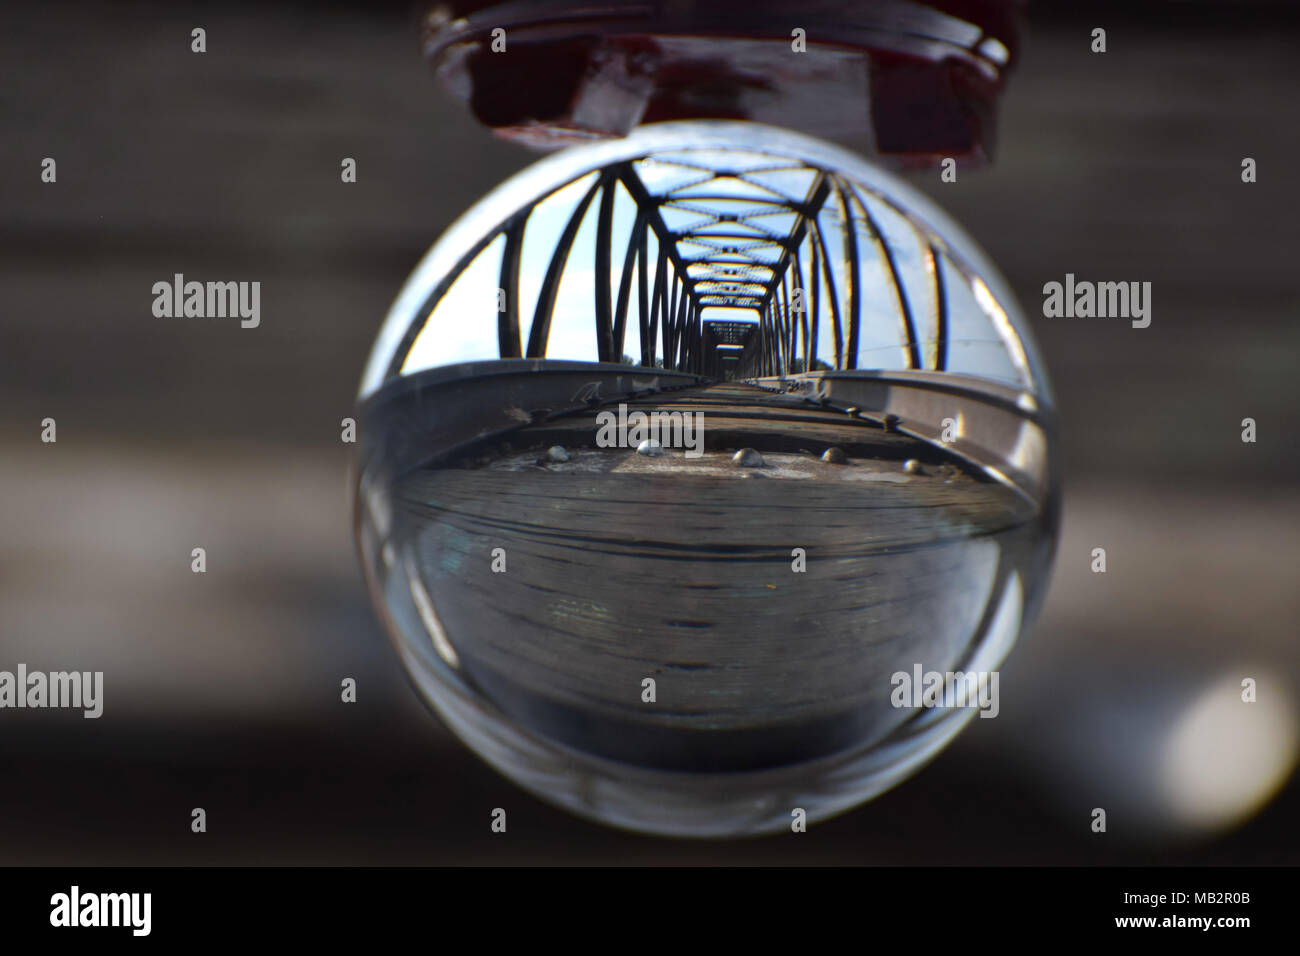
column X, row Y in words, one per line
column 222, row 690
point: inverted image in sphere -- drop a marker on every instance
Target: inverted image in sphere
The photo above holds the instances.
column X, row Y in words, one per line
column 705, row 476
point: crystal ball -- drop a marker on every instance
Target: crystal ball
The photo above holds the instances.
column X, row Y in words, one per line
column 705, row 478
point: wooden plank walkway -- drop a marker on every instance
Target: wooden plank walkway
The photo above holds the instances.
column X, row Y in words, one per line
column 736, row 415
column 622, row 567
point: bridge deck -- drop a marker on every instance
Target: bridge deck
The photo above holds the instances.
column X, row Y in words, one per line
column 622, row 567
column 736, row 415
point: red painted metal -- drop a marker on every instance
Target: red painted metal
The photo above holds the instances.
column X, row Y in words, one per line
column 907, row 81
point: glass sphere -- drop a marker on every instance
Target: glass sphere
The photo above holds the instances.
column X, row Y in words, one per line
column 688, row 462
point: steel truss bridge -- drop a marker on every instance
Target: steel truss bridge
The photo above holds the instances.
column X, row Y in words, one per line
column 737, row 253
column 783, row 241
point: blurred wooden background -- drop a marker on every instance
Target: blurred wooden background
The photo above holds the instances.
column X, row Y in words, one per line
column 222, row 690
